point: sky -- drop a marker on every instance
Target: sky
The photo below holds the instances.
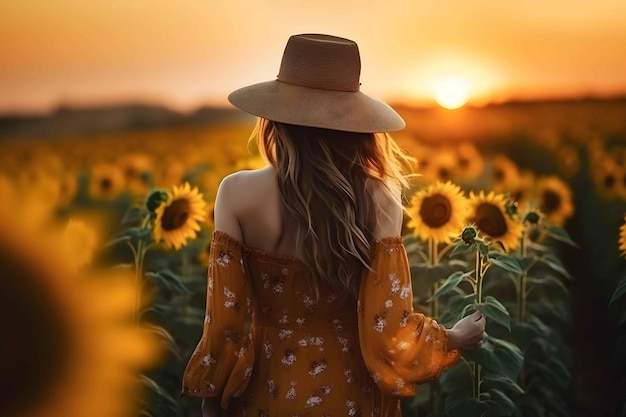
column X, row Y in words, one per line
column 189, row 53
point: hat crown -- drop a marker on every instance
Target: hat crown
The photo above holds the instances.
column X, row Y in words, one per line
column 322, row 62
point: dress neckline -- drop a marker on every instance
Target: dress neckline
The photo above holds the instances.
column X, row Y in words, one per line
column 389, row 240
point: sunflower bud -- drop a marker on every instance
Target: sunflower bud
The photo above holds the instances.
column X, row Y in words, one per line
column 469, row 234
column 155, row 199
column 511, row 209
column 532, row 217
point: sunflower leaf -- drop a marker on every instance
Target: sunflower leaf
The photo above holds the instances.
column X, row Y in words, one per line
column 493, row 309
column 555, row 263
column 168, row 280
column 508, row 263
column 461, row 248
column 167, row 338
column 619, row 291
column 451, row 282
column 561, row 235
column 117, row 239
column 132, row 215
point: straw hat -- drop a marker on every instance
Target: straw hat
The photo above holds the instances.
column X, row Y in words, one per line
column 318, row 86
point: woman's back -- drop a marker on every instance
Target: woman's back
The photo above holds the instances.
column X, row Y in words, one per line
column 252, row 211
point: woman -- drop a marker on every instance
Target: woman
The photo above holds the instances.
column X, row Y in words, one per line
column 309, row 300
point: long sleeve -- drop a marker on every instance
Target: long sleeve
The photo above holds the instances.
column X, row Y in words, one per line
column 222, row 361
column 401, row 348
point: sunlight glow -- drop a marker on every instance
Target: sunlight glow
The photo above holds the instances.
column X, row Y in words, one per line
column 451, row 92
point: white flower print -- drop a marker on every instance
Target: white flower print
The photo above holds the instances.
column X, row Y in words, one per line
column 403, row 345
column 381, row 323
column 345, row 343
column 289, row 358
column 375, row 376
column 428, row 338
column 285, row 334
column 269, row 350
column 277, row 288
column 337, row 325
column 405, row 292
column 318, row 367
column 352, row 409
column 247, row 373
column 325, row 389
column 211, row 385
column 313, row 401
column 301, row 321
column 266, row 280
column 399, row 385
column 395, row 283
column 284, row 319
column 273, row 389
column 291, row 392
column 405, row 318
column 331, row 298
column 349, row 376
column 223, row 259
column 309, row 303
column 208, row 360
column 231, row 299
column 312, row 341
column 388, row 304
column 207, row 318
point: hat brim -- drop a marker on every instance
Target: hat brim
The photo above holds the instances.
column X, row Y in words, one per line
column 297, row 105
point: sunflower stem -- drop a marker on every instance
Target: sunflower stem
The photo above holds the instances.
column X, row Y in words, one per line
column 434, row 307
column 479, row 299
column 139, row 255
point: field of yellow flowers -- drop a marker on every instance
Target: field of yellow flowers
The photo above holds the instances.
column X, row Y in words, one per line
column 518, row 210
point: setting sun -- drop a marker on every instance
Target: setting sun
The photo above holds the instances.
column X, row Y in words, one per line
column 451, row 92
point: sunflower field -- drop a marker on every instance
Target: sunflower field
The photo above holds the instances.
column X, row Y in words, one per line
column 518, row 210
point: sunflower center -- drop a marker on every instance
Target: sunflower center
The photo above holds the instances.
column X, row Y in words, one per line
column 106, row 184
column 436, row 210
column 609, row 181
column 490, row 220
column 551, row 201
column 175, row 215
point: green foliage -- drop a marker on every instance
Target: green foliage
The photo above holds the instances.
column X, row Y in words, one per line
column 523, row 360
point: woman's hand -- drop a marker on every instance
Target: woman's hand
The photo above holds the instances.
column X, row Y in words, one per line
column 467, row 333
column 211, row 407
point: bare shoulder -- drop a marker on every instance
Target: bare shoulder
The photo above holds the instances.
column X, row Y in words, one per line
column 237, row 194
column 248, row 181
column 388, row 212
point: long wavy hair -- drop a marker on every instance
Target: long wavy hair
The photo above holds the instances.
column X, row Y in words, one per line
column 326, row 180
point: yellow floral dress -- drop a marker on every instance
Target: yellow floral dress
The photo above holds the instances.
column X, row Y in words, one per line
column 271, row 347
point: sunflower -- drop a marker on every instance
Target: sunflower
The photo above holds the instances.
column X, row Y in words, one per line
column 442, row 166
column 438, row 212
column 522, row 190
column 179, row 217
column 107, row 182
column 490, row 214
column 136, row 168
column 72, row 349
column 469, row 161
column 505, row 173
column 622, row 238
column 607, row 175
column 554, row 200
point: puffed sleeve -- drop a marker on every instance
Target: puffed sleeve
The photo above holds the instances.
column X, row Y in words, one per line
column 401, row 348
column 222, row 362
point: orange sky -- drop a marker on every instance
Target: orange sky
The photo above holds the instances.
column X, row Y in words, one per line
column 192, row 52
